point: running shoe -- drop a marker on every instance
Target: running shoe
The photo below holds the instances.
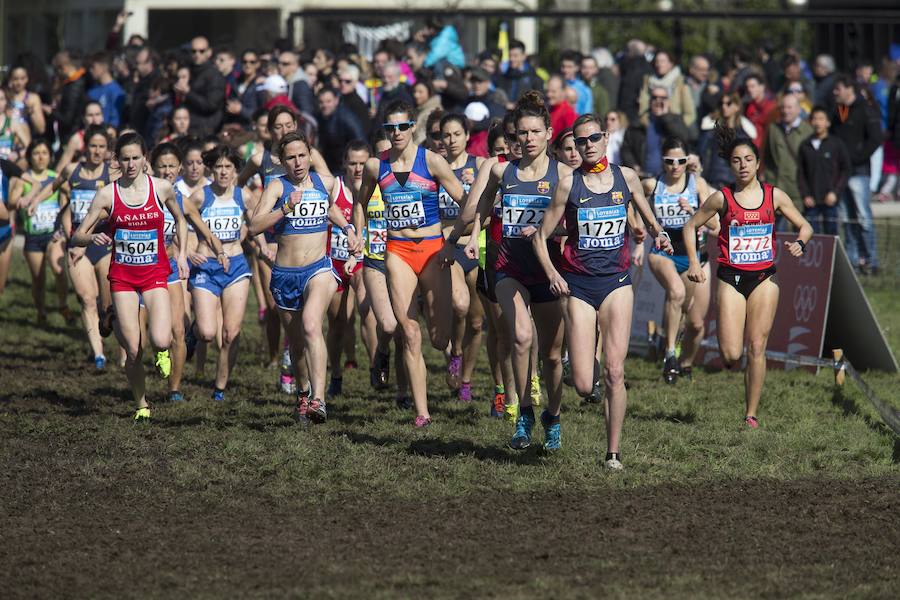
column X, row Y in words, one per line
column 163, row 364
column 465, row 391
column 142, row 415
column 421, row 422
column 106, row 321
column 536, row 391
column 316, row 412
column 552, row 437
column 380, row 371
column 350, row 364
column 218, row 395
column 287, row 384
column 522, row 438
column 670, row 369
column 751, row 422
column 176, row 397
column 404, row 402
column 335, row 386
column 100, row 362
column 613, row 461
column 498, row 404
column 301, row 410
column 454, row 368
column 567, row 371
column 511, row 412
column 190, row 341
column 685, row 373
column 596, row 395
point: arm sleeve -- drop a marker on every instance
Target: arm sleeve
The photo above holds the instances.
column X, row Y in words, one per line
column 842, row 162
column 873, row 131
column 210, row 97
column 10, row 169
column 802, row 182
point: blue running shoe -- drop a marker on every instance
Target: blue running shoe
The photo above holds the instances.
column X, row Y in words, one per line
column 218, row 395
column 524, row 425
column 552, row 440
column 176, row 397
column 100, row 362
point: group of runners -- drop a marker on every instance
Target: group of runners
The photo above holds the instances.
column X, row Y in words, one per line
column 527, row 252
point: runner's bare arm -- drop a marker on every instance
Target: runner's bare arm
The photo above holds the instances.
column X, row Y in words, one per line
column 250, row 169
column 99, row 210
column 470, row 207
column 785, row 205
column 364, row 193
column 264, row 217
column 709, row 209
column 552, row 217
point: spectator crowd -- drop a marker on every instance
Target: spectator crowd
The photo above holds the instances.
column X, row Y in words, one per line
column 829, row 139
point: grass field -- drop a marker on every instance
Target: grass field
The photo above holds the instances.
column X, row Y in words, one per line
column 234, row 499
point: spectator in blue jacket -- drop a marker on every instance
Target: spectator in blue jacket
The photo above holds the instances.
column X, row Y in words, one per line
column 569, row 64
column 444, row 46
column 106, row 90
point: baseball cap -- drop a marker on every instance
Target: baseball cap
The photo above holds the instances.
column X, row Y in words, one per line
column 275, row 84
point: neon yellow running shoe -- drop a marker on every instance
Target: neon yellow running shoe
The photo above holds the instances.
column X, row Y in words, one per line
column 163, row 364
column 142, row 415
column 535, row 390
column 511, row 411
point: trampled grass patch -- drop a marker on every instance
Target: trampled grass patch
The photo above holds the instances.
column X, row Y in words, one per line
column 235, row 498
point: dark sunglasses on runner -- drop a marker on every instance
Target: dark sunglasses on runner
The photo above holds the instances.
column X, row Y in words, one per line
column 397, row 126
column 675, row 161
column 593, row 138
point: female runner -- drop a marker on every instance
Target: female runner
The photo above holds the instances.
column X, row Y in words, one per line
column 8, row 171
column 376, row 302
column 88, row 267
column 26, row 106
column 468, row 316
column 526, row 187
column 14, row 136
column 748, row 293
column 298, row 206
column 39, row 220
column 409, row 176
column 675, row 196
column 280, row 121
column 342, row 309
column 132, row 207
column 594, row 266
column 221, row 288
column 166, row 161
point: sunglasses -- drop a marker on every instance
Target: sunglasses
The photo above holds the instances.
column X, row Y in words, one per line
column 659, row 98
column 675, row 161
column 436, row 136
column 198, row 50
column 251, row 61
column 389, row 127
column 593, row 138
column 727, row 102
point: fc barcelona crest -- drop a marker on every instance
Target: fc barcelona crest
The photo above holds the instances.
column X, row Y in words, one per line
column 618, row 197
column 543, row 187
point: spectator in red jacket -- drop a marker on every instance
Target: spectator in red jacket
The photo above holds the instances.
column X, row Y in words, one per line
column 759, row 106
column 562, row 115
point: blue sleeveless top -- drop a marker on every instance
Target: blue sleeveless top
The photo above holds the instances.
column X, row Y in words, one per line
column 268, row 170
column 448, row 207
column 414, row 204
column 523, row 204
column 310, row 213
column 597, row 227
column 223, row 216
column 169, row 220
column 669, row 212
column 82, row 191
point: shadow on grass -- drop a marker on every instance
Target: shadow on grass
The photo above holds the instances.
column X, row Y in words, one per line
column 679, row 416
column 453, row 448
column 849, row 408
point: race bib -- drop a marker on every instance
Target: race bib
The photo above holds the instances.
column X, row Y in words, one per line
column 44, row 218
column 601, row 228
column 448, row 207
column 81, row 204
column 310, row 210
column 750, row 244
column 168, row 227
column 404, row 210
column 377, row 236
column 522, row 211
column 224, row 222
column 670, row 214
column 136, row 247
column 340, row 244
